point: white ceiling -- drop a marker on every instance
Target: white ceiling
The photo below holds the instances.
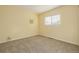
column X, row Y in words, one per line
column 41, row 8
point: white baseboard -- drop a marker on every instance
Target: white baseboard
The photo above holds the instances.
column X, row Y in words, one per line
column 18, row 38
column 61, row 40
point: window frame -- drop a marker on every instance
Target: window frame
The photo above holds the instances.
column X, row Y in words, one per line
column 53, row 24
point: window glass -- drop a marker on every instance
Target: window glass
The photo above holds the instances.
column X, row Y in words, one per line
column 52, row 20
column 48, row 20
column 55, row 19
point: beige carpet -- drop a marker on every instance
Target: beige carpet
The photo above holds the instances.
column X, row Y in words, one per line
column 38, row 44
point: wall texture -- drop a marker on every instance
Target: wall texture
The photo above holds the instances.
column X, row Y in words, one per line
column 78, row 23
column 67, row 30
column 15, row 23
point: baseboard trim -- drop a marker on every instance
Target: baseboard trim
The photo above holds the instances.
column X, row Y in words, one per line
column 18, row 39
column 59, row 40
column 38, row 35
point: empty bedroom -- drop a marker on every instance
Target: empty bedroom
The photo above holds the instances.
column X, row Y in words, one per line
column 39, row 29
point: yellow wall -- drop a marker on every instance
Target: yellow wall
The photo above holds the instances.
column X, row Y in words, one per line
column 78, row 23
column 14, row 23
column 67, row 30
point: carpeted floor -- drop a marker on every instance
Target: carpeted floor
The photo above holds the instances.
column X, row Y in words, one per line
column 38, row 44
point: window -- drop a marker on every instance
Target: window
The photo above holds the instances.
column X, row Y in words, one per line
column 52, row 20
column 48, row 20
column 55, row 19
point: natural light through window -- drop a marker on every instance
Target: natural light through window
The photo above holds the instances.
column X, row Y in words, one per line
column 52, row 20
column 48, row 20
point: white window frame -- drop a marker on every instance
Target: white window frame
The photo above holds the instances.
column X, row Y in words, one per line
column 53, row 23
